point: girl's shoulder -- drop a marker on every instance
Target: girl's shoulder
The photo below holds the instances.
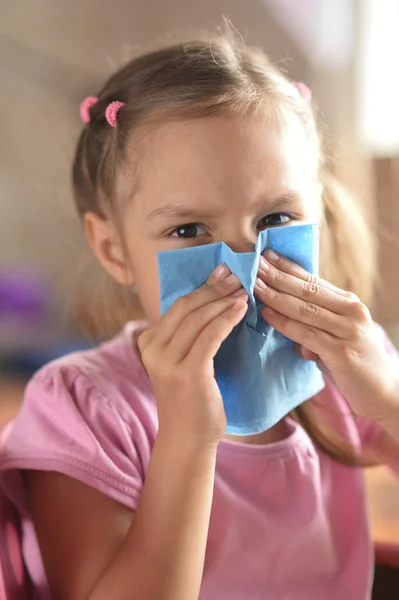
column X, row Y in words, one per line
column 90, row 415
column 109, row 377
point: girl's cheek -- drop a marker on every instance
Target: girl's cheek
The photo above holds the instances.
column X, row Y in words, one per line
column 150, row 302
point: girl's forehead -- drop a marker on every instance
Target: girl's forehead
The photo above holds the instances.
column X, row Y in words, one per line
column 225, row 156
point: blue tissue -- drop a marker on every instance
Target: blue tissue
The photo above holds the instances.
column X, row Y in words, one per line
column 260, row 377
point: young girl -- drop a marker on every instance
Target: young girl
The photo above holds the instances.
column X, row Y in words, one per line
column 126, row 484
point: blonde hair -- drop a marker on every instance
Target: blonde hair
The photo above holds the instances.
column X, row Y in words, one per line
column 206, row 77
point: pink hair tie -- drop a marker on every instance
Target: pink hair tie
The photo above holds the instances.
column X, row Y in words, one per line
column 85, row 108
column 112, row 110
column 303, row 89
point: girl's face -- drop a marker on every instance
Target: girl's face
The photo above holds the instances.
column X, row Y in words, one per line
column 220, row 178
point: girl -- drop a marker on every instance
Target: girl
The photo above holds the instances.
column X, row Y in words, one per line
column 118, row 462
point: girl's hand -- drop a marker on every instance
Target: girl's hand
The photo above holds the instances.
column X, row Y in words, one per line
column 332, row 327
column 178, row 353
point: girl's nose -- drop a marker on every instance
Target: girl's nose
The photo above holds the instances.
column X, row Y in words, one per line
column 242, row 245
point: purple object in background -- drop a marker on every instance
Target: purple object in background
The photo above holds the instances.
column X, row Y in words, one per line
column 30, row 332
column 23, row 295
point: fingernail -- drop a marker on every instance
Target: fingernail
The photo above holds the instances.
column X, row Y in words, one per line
column 272, row 256
column 232, row 279
column 220, row 272
column 263, row 264
column 261, row 284
column 240, row 293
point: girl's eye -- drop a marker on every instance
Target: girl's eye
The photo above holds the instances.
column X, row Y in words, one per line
column 190, row 230
column 274, row 219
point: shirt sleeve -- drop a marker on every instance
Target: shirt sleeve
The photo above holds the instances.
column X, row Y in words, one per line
column 67, row 425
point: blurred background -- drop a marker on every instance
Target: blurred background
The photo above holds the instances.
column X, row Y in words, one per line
column 54, row 53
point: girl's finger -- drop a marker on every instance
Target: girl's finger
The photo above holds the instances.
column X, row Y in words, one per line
column 308, row 288
column 288, row 266
column 210, row 339
column 309, row 355
column 220, row 284
column 193, row 325
column 317, row 341
column 304, row 352
column 305, row 312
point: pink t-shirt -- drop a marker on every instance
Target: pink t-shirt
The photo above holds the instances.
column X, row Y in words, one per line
column 287, row 522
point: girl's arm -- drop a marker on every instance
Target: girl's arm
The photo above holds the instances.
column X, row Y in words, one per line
column 94, row 549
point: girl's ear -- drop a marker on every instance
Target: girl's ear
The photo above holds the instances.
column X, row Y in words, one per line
column 106, row 245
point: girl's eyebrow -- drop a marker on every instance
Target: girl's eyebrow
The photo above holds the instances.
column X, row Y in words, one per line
column 288, row 201
column 175, row 211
